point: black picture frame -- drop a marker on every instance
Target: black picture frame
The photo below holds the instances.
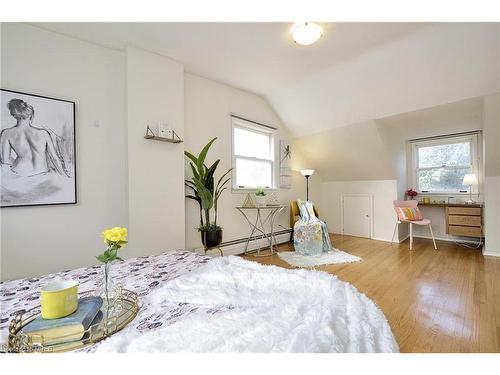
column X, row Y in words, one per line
column 74, row 163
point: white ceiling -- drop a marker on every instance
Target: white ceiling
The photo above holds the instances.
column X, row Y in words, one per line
column 356, row 72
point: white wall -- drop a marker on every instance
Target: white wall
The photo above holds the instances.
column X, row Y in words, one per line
column 208, row 105
column 155, row 91
column 492, row 174
column 38, row 240
column 395, row 131
column 123, row 179
column 354, row 152
column 383, row 193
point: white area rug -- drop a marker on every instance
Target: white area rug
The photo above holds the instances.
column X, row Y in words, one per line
column 332, row 257
column 242, row 306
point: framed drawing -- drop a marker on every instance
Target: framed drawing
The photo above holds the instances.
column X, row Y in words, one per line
column 285, row 169
column 37, row 150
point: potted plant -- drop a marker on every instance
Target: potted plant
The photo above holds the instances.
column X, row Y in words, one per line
column 260, row 197
column 207, row 193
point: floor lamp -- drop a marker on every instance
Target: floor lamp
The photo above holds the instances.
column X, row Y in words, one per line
column 307, row 173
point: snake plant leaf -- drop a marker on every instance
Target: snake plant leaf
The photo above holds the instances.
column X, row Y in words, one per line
column 203, row 154
column 209, row 178
column 224, row 175
column 219, row 193
column 191, row 156
column 209, row 184
column 219, row 187
column 190, row 184
column 195, row 172
column 207, row 199
column 195, row 198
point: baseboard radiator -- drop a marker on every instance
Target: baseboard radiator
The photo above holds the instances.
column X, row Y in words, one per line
column 254, row 238
column 237, row 246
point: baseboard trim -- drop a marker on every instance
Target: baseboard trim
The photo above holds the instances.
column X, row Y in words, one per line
column 373, row 238
column 490, row 254
column 380, row 239
column 447, row 239
column 237, row 247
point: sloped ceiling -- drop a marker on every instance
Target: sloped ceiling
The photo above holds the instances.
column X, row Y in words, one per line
column 355, row 73
column 329, row 94
column 435, row 65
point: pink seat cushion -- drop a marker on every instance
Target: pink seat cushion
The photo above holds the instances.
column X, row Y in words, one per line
column 409, row 214
column 421, row 222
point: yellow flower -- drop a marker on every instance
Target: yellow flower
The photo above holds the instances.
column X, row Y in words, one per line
column 115, row 235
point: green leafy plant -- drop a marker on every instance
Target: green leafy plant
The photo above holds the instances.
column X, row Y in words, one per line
column 260, row 192
column 203, row 187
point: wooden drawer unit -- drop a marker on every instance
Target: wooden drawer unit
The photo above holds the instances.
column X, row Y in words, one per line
column 464, row 221
column 458, row 230
column 471, row 211
column 468, row 221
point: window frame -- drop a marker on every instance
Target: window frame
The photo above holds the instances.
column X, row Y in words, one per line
column 472, row 139
column 239, row 123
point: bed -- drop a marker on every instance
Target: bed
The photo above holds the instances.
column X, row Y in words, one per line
column 194, row 303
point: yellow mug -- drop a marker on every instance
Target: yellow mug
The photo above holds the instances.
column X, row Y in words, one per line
column 59, row 299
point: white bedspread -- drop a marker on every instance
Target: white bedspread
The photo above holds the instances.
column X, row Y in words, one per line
column 261, row 309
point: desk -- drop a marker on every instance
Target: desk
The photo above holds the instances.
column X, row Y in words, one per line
column 462, row 219
column 259, row 224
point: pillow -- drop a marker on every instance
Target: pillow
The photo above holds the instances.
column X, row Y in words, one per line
column 409, row 214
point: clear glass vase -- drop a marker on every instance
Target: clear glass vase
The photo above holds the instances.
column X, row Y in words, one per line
column 110, row 292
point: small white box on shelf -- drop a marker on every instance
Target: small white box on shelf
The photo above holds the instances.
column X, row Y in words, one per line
column 164, row 131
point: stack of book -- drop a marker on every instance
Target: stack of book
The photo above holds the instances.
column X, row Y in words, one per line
column 66, row 333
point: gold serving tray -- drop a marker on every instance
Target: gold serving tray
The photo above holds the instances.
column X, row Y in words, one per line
column 22, row 343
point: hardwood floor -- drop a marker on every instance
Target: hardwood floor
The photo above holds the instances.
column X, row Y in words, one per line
column 436, row 301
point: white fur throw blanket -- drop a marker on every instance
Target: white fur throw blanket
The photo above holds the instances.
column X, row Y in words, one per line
column 242, row 306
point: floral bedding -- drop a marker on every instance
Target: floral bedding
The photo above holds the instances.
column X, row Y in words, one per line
column 141, row 275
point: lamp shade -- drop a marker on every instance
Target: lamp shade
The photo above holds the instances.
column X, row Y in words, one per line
column 307, row 172
column 470, row 179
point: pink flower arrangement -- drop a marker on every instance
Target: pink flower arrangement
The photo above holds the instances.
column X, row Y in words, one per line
column 411, row 193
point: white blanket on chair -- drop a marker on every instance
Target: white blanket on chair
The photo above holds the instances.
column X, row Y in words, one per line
column 242, row 306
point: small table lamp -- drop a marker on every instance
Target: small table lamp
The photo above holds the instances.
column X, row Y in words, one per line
column 307, row 173
column 470, row 180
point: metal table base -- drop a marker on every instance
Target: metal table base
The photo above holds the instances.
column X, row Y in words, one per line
column 259, row 226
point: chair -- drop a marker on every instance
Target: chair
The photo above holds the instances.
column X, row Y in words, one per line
column 295, row 215
column 411, row 204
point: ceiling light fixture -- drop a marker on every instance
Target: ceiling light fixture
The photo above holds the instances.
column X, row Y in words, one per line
column 307, row 33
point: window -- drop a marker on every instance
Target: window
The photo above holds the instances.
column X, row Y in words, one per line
column 253, row 155
column 439, row 165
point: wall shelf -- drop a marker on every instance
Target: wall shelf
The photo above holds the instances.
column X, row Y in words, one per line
column 161, row 139
column 150, row 135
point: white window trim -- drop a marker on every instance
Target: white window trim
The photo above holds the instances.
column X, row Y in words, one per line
column 473, row 139
column 250, row 126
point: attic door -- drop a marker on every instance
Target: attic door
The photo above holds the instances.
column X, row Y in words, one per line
column 357, row 215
